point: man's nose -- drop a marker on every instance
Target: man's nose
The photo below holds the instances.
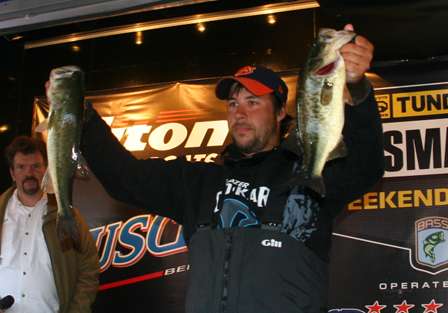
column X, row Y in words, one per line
column 30, row 170
column 240, row 110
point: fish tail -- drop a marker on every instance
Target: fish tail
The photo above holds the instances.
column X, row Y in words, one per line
column 315, row 183
column 68, row 233
column 312, row 181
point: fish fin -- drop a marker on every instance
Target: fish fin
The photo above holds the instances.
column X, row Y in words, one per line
column 299, row 139
column 314, row 183
column 47, row 183
column 293, row 142
column 82, row 170
column 348, row 97
column 42, row 127
column 317, row 184
column 82, row 173
column 67, row 230
column 88, row 111
column 339, row 151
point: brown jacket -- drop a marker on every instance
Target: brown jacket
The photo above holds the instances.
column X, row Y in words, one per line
column 75, row 273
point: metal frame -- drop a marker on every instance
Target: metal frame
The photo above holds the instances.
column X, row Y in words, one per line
column 173, row 22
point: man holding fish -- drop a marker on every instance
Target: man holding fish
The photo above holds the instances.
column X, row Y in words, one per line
column 258, row 221
column 35, row 271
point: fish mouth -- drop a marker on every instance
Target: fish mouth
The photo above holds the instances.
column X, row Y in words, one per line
column 64, row 71
column 327, row 69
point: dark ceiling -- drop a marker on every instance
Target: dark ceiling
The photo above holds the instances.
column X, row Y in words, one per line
column 399, row 29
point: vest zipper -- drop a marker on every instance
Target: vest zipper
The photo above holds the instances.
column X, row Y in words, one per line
column 226, row 269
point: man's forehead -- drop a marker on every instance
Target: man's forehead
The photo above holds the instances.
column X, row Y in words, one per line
column 35, row 157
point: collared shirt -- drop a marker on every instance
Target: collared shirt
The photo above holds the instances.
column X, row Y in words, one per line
column 25, row 264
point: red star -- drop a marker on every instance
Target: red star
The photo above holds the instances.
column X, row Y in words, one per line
column 375, row 307
column 432, row 306
column 404, row 307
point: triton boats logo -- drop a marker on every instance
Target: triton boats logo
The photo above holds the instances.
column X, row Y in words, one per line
column 431, row 245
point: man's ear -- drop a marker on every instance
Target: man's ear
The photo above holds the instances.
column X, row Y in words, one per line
column 12, row 174
column 281, row 114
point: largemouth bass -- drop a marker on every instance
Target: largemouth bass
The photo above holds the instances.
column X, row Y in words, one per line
column 430, row 243
column 65, row 93
column 320, row 105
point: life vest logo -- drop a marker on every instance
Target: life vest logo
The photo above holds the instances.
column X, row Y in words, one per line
column 245, row 70
column 431, row 245
column 271, row 243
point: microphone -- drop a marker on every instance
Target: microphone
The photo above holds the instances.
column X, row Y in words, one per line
column 6, row 302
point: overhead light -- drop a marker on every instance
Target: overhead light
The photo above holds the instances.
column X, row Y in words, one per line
column 17, row 37
column 76, row 48
column 4, row 128
column 200, row 27
column 138, row 38
column 271, row 19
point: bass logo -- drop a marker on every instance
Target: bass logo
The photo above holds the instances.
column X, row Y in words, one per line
column 431, row 244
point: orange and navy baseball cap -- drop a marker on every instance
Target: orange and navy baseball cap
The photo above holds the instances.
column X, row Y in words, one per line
column 258, row 80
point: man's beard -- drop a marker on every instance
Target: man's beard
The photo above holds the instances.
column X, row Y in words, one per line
column 252, row 147
column 33, row 190
column 258, row 143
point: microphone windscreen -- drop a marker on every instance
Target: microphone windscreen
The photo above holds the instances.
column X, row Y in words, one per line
column 6, row 302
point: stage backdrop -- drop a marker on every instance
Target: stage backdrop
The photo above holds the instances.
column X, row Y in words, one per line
column 389, row 255
column 390, row 248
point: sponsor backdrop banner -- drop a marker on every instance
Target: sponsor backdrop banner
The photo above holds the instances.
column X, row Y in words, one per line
column 390, row 249
column 389, row 252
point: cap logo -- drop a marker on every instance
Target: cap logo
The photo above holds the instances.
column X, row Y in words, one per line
column 246, row 70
